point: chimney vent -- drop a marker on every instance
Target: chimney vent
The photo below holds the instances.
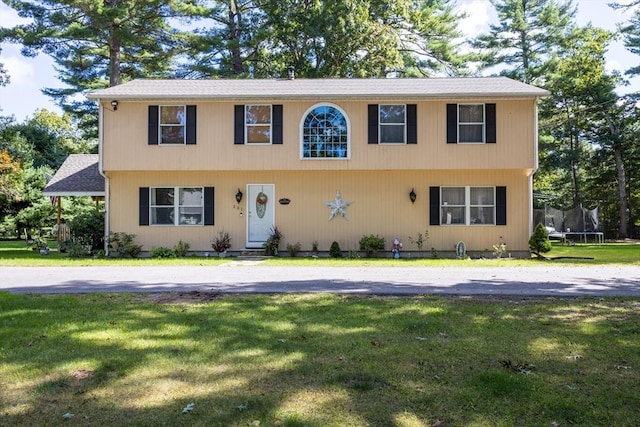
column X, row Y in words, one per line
column 292, row 72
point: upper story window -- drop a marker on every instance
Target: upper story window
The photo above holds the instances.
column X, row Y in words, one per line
column 471, row 123
column 258, row 124
column 392, row 124
column 325, row 133
column 176, row 206
column 172, row 124
column 467, row 205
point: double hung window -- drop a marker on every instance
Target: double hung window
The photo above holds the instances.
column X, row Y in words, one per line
column 176, row 206
column 172, row 124
column 258, row 124
column 467, row 205
column 392, row 124
column 471, row 123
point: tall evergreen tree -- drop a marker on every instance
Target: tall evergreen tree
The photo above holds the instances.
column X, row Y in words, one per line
column 96, row 43
column 528, row 36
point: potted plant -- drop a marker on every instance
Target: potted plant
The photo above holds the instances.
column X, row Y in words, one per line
column 221, row 243
column 273, row 241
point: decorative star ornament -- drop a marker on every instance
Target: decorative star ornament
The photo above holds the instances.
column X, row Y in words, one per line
column 338, row 207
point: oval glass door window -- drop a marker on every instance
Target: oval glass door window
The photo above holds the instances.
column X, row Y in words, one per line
column 261, row 204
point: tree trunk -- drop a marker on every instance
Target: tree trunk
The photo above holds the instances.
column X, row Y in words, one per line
column 114, row 48
column 622, row 177
column 622, row 192
column 235, row 20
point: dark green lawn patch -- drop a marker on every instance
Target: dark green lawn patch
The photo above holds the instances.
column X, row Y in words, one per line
column 317, row 360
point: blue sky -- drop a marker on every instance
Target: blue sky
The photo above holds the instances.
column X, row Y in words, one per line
column 22, row 97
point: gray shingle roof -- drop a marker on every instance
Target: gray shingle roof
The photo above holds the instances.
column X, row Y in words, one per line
column 78, row 176
column 226, row 89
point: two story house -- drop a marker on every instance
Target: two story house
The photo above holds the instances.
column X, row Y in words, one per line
column 322, row 159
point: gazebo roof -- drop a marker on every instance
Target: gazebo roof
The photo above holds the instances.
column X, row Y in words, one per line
column 78, row 176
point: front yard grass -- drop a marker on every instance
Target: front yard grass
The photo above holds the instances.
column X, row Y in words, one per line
column 317, row 360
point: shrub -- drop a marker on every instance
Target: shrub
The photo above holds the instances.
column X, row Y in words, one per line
column 162, row 252
column 76, row 250
column 499, row 248
column 420, row 240
column 539, row 241
column 87, row 229
column 372, row 244
column 222, row 242
column 334, row 250
column 181, row 249
column 122, row 245
column 272, row 243
column 293, row 249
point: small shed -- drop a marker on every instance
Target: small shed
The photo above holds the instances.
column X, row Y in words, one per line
column 78, row 176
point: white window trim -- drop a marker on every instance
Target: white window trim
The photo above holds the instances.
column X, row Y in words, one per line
column 346, row 117
column 176, row 206
column 467, row 205
column 403, row 124
column 247, row 125
column 161, row 125
column 483, row 123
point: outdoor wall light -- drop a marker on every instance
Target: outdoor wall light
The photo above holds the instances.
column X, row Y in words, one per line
column 114, row 104
column 239, row 196
column 413, row 196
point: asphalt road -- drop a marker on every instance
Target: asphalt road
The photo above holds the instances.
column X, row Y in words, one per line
column 249, row 277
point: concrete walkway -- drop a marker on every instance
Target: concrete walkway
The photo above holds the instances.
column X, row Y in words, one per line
column 250, row 277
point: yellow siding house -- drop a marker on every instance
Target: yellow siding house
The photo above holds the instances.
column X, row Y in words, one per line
column 322, row 159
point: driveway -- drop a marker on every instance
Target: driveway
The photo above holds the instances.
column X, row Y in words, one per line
column 250, row 277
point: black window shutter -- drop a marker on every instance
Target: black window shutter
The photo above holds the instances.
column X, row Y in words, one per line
column 191, row 124
column 143, row 215
column 208, row 205
column 490, row 112
column 501, row 205
column 412, row 125
column 434, row 205
column 373, row 124
column 276, row 124
column 452, row 123
column 238, row 124
column 153, row 125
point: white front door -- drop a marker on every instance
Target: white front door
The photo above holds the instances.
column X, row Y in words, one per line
column 260, row 213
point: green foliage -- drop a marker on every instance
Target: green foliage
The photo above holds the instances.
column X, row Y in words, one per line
column 539, row 240
column 334, row 250
column 122, row 245
column 342, row 346
column 181, row 249
column 221, row 242
column 76, row 250
column 420, row 239
column 372, row 244
column 87, row 228
column 499, row 248
column 273, row 242
column 162, row 252
column 527, row 38
column 293, row 249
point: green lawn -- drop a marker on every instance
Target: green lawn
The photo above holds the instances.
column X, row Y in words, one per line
column 16, row 253
column 318, row 360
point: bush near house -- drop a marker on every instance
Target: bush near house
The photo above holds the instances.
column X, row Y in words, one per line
column 371, row 244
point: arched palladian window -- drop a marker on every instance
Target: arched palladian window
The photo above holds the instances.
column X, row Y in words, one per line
column 325, row 133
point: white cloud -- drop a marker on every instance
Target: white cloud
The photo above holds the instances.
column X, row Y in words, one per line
column 480, row 13
column 20, row 69
column 9, row 17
